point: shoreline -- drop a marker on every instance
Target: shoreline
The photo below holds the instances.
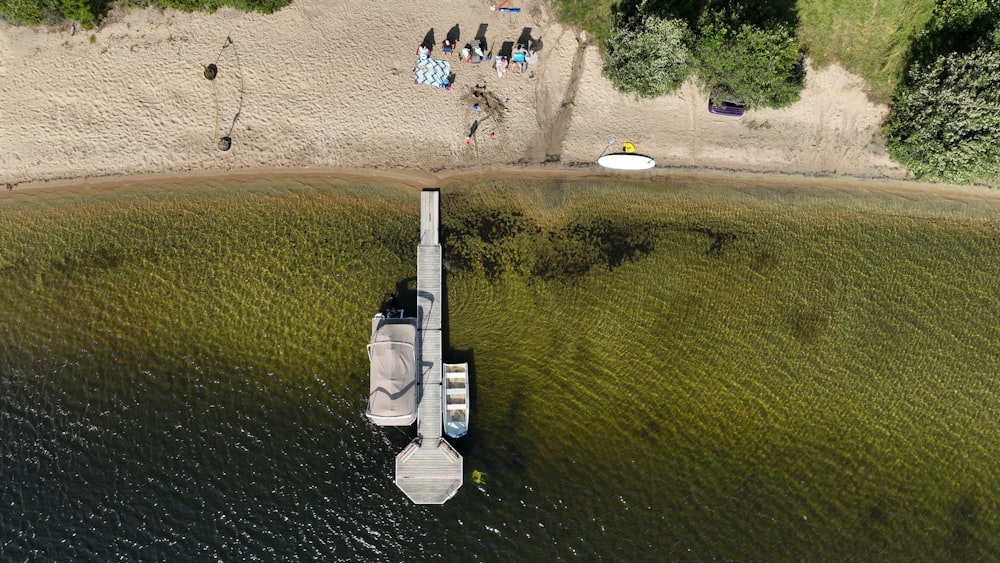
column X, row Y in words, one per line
column 417, row 179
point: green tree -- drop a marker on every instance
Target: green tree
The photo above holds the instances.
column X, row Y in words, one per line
column 760, row 64
column 648, row 56
column 78, row 11
column 944, row 123
column 955, row 26
column 87, row 12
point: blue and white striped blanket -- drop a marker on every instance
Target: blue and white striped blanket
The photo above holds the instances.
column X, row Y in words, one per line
column 433, row 72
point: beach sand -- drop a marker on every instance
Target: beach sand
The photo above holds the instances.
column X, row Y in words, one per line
column 321, row 87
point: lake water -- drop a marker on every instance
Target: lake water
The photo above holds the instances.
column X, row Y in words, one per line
column 663, row 370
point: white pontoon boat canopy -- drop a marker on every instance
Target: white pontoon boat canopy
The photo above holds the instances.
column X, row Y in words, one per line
column 392, row 397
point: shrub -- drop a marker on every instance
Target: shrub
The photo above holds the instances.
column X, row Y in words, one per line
column 647, row 55
column 760, row 64
column 263, row 6
column 34, row 12
column 78, row 11
column 955, row 26
column 944, row 122
column 27, row 12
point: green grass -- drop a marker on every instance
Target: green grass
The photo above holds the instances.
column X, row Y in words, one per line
column 591, row 15
column 870, row 38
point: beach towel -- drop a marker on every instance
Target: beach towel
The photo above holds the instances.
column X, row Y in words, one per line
column 432, row 72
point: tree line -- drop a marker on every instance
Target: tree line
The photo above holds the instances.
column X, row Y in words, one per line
column 749, row 49
column 944, row 118
column 89, row 13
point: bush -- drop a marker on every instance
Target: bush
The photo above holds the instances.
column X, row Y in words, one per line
column 263, row 6
column 760, row 64
column 955, row 26
column 944, row 123
column 34, row 12
column 27, row 12
column 648, row 56
column 78, row 11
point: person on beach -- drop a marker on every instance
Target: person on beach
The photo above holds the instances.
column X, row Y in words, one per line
column 501, row 65
column 520, row 58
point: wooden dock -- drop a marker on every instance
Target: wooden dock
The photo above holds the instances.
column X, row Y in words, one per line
column 429, row 470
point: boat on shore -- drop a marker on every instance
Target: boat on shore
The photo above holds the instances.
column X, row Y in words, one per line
column 626, row 161
column 456, row 400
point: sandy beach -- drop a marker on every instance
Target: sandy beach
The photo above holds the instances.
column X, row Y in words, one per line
column 321, row 87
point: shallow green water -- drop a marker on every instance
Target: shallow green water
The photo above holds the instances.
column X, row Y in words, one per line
column 661, row 371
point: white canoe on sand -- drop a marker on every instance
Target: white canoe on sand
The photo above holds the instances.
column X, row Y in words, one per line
column 626, row 161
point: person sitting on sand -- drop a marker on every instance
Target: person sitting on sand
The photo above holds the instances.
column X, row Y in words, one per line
column 520, row 58
column 501, row 65
column 447, row 47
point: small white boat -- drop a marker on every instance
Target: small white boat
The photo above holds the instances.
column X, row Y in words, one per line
column 455, row 397
column 626, row 161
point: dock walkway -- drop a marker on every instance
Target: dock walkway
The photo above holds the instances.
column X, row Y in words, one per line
column 429, row 470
